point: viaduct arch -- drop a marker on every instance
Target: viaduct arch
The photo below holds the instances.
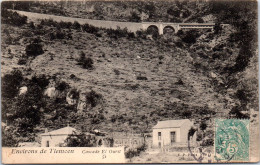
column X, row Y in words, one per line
column 160, row 26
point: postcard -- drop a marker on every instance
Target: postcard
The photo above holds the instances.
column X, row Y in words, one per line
column 89, row 81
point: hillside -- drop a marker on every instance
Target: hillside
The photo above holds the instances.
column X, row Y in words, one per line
column 133, row 11
column 135, row 81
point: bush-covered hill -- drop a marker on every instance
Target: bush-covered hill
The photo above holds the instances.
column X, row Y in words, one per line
column 168, row 11
column 129, row 82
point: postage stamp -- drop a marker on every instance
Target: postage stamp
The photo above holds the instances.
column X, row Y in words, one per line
column 231, row 140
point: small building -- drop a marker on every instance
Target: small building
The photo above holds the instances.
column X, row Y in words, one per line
column 171, row 132
column 57, row 137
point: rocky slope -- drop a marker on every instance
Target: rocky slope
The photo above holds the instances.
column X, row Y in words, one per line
column 140, row 81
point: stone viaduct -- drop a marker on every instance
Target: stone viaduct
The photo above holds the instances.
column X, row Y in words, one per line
column 131, row 26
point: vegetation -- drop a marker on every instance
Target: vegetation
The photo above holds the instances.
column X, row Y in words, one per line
column 194, row 73
column 34, row 48
column 10, row 84
column 80, row 140
column 12, row 18
column 135, row 152
column 85, row 62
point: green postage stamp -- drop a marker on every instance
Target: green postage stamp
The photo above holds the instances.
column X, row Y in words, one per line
column 232, row 140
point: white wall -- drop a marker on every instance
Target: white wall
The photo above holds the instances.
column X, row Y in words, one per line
column 165, row 136
column 54, row 141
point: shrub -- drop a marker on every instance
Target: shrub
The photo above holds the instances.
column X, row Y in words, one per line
column 203, row 126
column 208, row 142
column 40, row 80
column 73, row 93
column 93, row 98
column 217, row 28
column 174, row 11
column 90, row 29
column 74, row 77
column 49, row 22
column 187, row 114
column 179, row 44
column 88, row 63
column 64, row 25
column 34, row 49
column 191, row 132
column 141, row 148
column 61, row 86
column 235, row 113
column 27, row 33
column 76, row 25
column 31, row 25
column 22, row 61
column 98, row 118
column 52, row 36
column 180, row 33
column 8, row 138
column 141, row 34
column 13, row 18
column 189, row 38
column 200, row 20
column 179, row 82
column 118, row 33
column 135, row 17
column 60, row 34
column 131, row 35
column 81, row 57
column 56, row 11
column 117, row 72
column 132, row 153
column 10, row 84
column 141, row 78
column 80, row 140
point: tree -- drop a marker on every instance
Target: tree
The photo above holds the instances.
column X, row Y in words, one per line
column 236, row 113
column 10, row 84
column 174, row 11
column 190, row 37
column 135, row 17
column 200, row 20
column 93, row 98
column 150, row 9
column 8, row 138
column 40, row 80
column 203, row 126
column 34, row 49
column 76, row 25
column 25, row 111
column 86, row 63
column 61, row 86
column 191, row 132
column 80, row 140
